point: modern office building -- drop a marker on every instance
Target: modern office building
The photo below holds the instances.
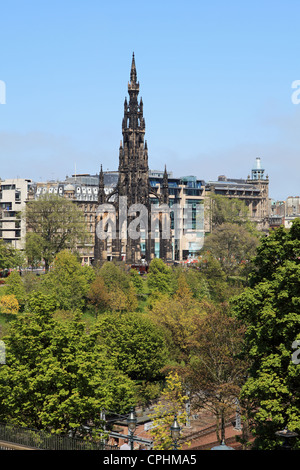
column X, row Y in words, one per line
column 13, row 196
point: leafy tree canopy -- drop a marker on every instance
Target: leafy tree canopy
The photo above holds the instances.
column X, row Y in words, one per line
column 68, row 281
column 56, row 376
column 233, row 245
column 270, row 310
column 281, row 245
column 229, row 210
column 160, row 277
column 57, row 224
column 9, row 256
column 135, row 343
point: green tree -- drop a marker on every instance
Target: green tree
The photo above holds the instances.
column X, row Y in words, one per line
column 137, row 281
column 121, row 290
column 171, row 403
column 270, row 309
column 160, row 277
column 195, row 280
column 14, row 285
column 216, row 371
column 68, row 281
column 57, row 223
column 9, row 256
column 34, row 248
column 222, row 209
column 57, row 377
column 135, row 343
column 39, row 302
column 215, row 277
column 234, row 246
column 281, row 245
column 114, row 276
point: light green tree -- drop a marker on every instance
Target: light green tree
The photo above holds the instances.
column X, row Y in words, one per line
column 68, row 281
column 135, row 343
column 9, row 256
column 160, row 278
column 14, row 286
column 171, row 404
column 57, row 376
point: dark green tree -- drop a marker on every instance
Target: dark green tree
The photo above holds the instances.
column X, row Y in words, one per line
column 270, row 310
column 281, row 245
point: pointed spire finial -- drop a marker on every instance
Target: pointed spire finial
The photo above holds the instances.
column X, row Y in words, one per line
column 133, row 75
column 101, row 192
column 101, row 177
column 165, row 178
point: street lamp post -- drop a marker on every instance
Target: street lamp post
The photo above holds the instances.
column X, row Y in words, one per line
column 131, row 422
column 175, row 432
column 287, row 436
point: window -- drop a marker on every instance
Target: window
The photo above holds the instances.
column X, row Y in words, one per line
column 8, row 186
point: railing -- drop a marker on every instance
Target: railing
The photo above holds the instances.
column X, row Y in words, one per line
column 40, row 440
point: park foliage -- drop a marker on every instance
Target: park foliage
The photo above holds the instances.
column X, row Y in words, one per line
column 80, row 339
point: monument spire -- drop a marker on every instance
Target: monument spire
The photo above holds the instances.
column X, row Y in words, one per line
column 133, row 74
column 133, row 188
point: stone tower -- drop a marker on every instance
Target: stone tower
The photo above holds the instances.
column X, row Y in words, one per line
column 131, row 196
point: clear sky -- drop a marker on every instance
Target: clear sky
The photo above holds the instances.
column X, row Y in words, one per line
column 215, row 77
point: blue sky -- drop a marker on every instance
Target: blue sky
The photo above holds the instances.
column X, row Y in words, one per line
column 215, row 78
